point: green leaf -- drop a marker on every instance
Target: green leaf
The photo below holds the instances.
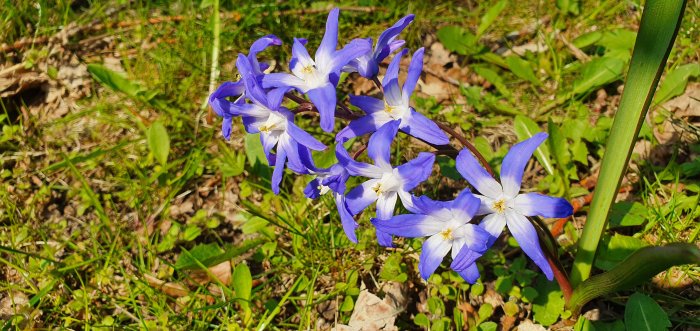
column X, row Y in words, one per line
column 494, row 78
column 597, row 73
column 491, row 16
column 615, row 249
column 158, row 142
column 487, row 326
column 242, row 285
column 675, row 82
column 572, row 7
column 549, row 303
column 448, row 167
column 458, row 40
column 627, row 213
column 114, row 80
column 254, row 150
column 525, row 128
column 642, row 313
column 201, row 253
column 583, row 324
column 421, row 320
column 522, row 69
column 587, row 39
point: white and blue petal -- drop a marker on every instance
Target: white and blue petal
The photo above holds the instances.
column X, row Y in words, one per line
column 379, row 146
column 475, row 174
column 515, row 161
column 324, row 53
column 434, row 251
column 349, row 224
column 414, row 71
column 531, row 204
column 417, row 170
column 409, row 225
column 423, row 128
column 367, row 104
column 525, row 234
column 363, row 125
column 324, row 99
column 361, row 196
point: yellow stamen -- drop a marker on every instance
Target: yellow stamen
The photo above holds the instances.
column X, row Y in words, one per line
column 499, row 206
column 308, row 69
column 447, row 234
column 377, row 188
column 387, row 108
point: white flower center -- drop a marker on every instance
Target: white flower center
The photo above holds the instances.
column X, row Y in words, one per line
column 313, row 77
column 276, row 123
column 390, row 182
column 499, row 206
column 396, row 112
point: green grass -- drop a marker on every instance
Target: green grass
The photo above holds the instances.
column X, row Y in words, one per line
column 88, row 214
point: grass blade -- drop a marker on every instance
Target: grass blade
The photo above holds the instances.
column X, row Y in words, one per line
column 659, row 27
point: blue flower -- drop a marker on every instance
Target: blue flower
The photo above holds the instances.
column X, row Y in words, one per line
column 386, row 184
column 395, row 106
column 447, row 224
column 319, row 76
column 504, row 205
column 266, row 116
column 227, row 109
column 333, row 179
column 367, row 65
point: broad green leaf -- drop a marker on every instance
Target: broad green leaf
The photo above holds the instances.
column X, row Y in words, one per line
column 572, row 7
column 494, row 78
column 583, row 324
column 253, row 225
column 642, row 313
column 597, row 73
column 525, row 128
column 254, row 150
column 201, row 253
column 491, row 16
column 522, row 69
column 549, row 303
column 448, row 167
column 158, row 142
column 627, row 213
column 675, row 82
column 614, row 249
column 421, row 320
column 485, row 311
column 458, row 40
column 587, row 39
column 617, row 40
column 113, row 80
column 242, row 285
column 232, row 162
column 487, row 326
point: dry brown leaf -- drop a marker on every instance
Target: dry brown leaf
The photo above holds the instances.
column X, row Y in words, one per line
column 220, row 272
column 373, row 313
column 528, row 325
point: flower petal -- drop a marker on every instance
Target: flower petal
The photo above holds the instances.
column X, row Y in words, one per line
column 304, row 137
column 476, row 238
column 300, row 57
column 434, row 251
column 515, row 161
column 354, row 49
column 465, row 257
column 312, row 190
column 392, row 72
column 379, row 146
column 324, row 99
column 349, row 224
column 475, row 174
column 226, row 126
column 417, row 170
column 363, row 125
column 386, row 203
column 218, row 102
column 493, row 224
column 361, row 196
column 384, row 239
column 414, row 71
column 409, row 225
column 281, row 159
column 259, row 46
column 425, row 129
column 325, row 51
column 467, row 203
column 390, row 34
column 280, row 79
column 526, row 236
column 268, row 142
column 486, row 205
column 367, row 104
column 531, row 204
column 470, row 273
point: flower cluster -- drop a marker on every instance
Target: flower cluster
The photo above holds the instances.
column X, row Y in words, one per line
column 467, row 226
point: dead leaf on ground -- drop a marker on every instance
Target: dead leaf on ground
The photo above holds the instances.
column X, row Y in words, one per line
column 218, row 273
column 528, row 325
column 373, row 313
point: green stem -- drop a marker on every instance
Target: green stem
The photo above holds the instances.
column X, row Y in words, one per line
column 636, row 269
column 659, row 26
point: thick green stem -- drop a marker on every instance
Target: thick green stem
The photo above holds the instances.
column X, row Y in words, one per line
column 636, row 269
column 659, row 26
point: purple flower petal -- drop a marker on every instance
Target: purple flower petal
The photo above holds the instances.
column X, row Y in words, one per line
column 349, row 224
column 493, row 224
column 367, row 104
column 417, row 170
column 300, row 58
column 470, row 273
column 356, row 168
column 434, row 250
column 465, row 257
column 467, row 203
column 226, row 126
column 425, row 129
column 280, row 79
column 218, row 102
column 379, row 146
column 324, row 53
column 351, row 51
column 324, row 99
column 268, row 142
column 475, row 174
column 392, row 72
column 279, row 170
column 476, row 238
column 311, row 190
column 414, row 71
column 304, row 137
column 531, row 204
column 361, row 196
column 409, row 225
column 259, row 46
column 358, row 127
column 526, row 236
column 389, row 34
column 515, row 161
column 384, row 239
